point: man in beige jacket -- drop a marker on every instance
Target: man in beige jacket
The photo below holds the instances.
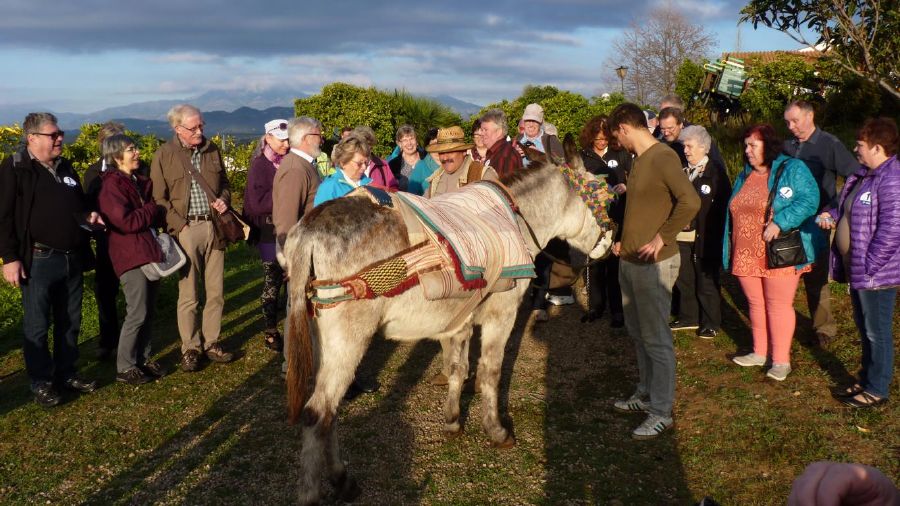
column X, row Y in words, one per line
column 457, row 168
column 189, row 216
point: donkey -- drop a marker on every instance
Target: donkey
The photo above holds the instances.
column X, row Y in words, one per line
column 343, row 236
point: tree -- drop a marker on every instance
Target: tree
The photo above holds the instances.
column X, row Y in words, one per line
column 862, row 36
column 654, row 50
column 774, row 84
column 688, row 80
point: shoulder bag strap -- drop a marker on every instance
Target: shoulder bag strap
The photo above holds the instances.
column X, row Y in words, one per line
column 772, row 193
column 210, row 195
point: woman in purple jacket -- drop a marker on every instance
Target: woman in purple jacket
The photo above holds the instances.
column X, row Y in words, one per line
column 258, row 211
column 126, row 203
column 866, row 253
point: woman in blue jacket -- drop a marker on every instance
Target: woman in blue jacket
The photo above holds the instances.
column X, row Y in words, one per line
column 351, row 155
column 770, row 292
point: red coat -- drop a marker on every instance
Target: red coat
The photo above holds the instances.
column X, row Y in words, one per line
column 129, row 212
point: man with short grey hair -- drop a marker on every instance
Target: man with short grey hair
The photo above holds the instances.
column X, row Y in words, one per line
column 501, row 155
column 44, row 250
column 189, row 213
column 827, row 159
column 296, row 180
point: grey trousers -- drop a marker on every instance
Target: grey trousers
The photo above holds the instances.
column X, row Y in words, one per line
column 647, row 301
column 140, row 303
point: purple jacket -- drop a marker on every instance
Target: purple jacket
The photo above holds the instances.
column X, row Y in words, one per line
column 874, row 228
column 258, row 192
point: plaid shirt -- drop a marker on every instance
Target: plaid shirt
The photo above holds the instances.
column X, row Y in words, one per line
column 504, row 158
column 199, row 204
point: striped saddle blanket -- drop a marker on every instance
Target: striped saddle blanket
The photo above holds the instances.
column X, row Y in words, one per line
column 466, row 244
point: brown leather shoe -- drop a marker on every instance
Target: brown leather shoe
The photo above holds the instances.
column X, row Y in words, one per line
column 217, row 354
column 190, row 361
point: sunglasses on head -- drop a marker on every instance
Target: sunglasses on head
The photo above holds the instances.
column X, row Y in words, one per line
column 281, row 126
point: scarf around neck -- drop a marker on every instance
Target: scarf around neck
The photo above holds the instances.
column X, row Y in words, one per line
column 272, row 156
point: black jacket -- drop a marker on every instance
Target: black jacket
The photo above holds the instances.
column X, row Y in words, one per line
column 18, row 180
column 714, row 189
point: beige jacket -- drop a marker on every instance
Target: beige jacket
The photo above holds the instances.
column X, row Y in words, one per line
column 293, row 192
column 170, row 173
column 467, row 176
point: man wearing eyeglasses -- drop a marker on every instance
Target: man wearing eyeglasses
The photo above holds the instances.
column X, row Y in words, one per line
column 189, row 215
column 43, row 244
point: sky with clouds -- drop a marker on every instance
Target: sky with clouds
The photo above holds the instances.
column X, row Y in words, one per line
column 90, row 54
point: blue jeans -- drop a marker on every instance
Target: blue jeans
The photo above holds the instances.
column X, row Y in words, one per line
column 873, row 311
column 54, row 284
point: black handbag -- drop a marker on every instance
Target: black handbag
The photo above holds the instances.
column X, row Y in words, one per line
column 786, row 250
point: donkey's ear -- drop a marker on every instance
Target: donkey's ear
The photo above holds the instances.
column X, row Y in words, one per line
column 536, row 156
column 573, row 157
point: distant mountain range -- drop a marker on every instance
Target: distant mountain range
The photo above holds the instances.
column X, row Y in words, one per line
column 237, row 113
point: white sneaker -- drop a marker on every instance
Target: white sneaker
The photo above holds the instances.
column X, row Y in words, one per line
column 653, row 426
column 750, row 360
column 633, row 404
column 779, row 372
column 560, row 300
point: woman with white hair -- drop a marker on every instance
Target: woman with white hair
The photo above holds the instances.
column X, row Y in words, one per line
column 700, row 243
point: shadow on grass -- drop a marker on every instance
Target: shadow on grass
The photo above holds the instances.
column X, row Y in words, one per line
column 591, row 457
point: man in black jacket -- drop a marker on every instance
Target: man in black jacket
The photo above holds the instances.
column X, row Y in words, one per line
column 42, row 244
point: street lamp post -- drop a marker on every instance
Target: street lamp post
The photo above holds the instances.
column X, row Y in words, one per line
column 621, row 71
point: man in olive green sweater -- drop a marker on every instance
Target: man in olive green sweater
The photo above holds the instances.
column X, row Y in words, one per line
column 661, row 201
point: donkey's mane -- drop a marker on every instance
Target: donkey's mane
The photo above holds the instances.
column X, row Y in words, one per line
column 527, row 178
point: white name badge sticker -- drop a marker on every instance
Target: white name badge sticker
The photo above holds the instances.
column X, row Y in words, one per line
column 705, row 189
column 69, row 181
column 866, row 198
column 786, row 192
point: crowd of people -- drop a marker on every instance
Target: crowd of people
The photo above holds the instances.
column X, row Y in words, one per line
column 681, row 222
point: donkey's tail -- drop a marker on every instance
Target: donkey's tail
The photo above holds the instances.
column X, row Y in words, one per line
column 299, row 344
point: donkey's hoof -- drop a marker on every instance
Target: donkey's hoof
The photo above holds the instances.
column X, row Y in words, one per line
column 509, row 442
column 348, row 490
column 453, row 429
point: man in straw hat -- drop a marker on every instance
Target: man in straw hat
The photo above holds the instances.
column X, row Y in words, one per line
column 457, row 168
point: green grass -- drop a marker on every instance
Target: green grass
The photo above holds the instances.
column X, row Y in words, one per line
column 219, row 436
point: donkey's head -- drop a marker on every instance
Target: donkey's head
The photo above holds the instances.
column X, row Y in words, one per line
column 577, row 203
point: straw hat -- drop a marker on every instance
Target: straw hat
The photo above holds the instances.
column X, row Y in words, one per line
column 449, row 139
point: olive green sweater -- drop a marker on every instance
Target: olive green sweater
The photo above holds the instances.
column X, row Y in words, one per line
column 661, row 200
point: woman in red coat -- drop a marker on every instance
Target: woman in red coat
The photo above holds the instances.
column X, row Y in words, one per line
column 127, row 206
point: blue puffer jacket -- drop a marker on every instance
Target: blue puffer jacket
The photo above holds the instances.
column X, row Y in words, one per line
column 795, row 205
column 874, row 228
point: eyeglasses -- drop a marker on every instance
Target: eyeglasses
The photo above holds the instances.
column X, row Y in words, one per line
column 359, row 163
column 131, row 149
column 196, row 129
column 53, row 135
column 668, row 129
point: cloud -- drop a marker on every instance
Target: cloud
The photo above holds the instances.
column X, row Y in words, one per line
column 186, row 57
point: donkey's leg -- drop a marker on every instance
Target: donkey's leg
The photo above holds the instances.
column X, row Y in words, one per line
column 494, row 334
column 345, row 486
column 343, row 340
column 456, row 357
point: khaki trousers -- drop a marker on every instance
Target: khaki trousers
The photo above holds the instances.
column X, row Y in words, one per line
column 205, row 265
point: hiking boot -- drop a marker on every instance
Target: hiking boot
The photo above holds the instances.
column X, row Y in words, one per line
column 682, row 325
column 154, row 369
column 750, row 360
column 45, row 395
column 653, row 426
column 190, row 361
column 217, row 354
column 80, row 385
column 779, row 372
column 560, row 300
column 134, row 376
column 633, row 404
